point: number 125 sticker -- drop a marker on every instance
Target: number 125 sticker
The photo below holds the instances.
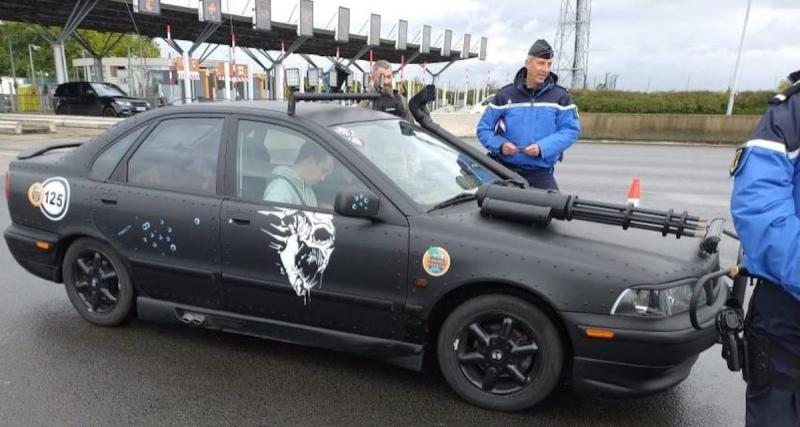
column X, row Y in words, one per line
column 51, row 197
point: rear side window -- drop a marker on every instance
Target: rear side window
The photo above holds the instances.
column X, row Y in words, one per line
column 179, row 154
column 108, row 160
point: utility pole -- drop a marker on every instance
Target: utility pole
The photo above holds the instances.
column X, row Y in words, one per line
column 30, row 55
column 13, row 68
column 738, row 59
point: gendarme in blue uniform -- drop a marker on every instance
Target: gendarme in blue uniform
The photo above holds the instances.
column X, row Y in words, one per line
column 765, row 204
column 523, row 117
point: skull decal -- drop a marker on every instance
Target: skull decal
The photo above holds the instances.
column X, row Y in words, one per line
column 304, row 241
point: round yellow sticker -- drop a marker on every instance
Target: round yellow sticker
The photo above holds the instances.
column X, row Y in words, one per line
column 436, row 261
column 35, row 194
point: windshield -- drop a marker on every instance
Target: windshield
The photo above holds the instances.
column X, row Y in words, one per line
column 425, row 168
column 107, row 89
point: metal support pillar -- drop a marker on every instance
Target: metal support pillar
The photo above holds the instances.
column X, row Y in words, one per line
column 209, row 29
column 79, row 12
column 410, row 60
column 275, row 62
column 358, row 56
column 308, row 59
column 98, row 55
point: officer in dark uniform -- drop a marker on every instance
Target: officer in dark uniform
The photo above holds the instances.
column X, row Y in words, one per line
column 765, row 204
column 390, row 101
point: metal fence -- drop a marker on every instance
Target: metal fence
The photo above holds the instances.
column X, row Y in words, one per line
column 27, row 103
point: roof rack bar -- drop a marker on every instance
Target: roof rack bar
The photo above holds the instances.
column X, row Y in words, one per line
column 294, row 97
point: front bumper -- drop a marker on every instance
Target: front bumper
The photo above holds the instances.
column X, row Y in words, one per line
column 129, row 111
column 645, row 356
column 42, row 263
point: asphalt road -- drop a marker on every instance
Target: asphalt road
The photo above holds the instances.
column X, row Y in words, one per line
column 56, row 369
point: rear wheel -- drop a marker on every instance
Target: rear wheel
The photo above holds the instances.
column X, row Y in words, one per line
column 61, row 110
column 98, row 283
column 500, row 352
column 109, row 112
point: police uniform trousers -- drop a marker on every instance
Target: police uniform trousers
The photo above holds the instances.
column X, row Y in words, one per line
column 775, row 314
column 537, row 178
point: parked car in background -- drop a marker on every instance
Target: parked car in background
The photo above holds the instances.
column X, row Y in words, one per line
column 481, row 107
column 96, row 99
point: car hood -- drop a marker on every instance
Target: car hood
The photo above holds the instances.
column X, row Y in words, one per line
column 579, row 265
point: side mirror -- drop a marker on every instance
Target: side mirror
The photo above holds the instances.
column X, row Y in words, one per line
column 363, row 204
column 90, row 93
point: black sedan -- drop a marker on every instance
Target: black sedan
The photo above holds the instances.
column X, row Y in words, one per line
column 349, row 229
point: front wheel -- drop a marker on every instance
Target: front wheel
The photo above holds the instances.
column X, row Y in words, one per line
column 98, row 283
column 500, row 352
column 109, row 112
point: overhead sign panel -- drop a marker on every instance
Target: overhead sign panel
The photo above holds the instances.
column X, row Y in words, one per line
column 152, row 7
column 402, row 35
column 343, row 26
column 305, row 26
column 374, row 35
column 211, row 11
column 262, row 18
column 425, row 46
column 465, row 47
column 448, row 42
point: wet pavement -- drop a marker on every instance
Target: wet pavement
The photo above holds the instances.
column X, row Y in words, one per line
column 56, row 369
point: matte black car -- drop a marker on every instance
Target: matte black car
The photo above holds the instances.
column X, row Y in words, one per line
column 195, row 215
column 96, row 99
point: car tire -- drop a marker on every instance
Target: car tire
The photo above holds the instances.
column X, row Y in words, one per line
column 109, row 112
column 497, row 364
column 98, row 283
column 61, row 110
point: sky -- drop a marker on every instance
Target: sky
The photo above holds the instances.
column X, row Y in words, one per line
column 652, row 45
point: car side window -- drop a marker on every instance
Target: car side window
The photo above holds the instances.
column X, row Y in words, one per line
column 179, row 154
column 111, row 156
column 72, row 89
column 280, row 165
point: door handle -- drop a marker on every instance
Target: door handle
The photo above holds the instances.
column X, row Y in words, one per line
column 239, row 221
column 108, row 201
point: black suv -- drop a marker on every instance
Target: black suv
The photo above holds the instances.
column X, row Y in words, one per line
column 96, row 99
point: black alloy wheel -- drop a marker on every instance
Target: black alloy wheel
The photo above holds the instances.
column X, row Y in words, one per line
column 500, row 352
column 97, row 282
column 497, row 354
column 109, row 112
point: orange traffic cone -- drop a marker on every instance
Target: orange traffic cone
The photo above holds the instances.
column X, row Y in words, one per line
column 635, row 192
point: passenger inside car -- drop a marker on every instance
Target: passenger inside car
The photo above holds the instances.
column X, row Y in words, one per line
column 294, row 184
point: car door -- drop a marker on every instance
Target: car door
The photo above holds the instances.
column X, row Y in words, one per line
column 287, row 256
column 73, row 98
column 161, row 209
column 87, row 100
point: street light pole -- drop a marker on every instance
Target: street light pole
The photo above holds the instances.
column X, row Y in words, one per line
column 738, row 59
column 30, row 55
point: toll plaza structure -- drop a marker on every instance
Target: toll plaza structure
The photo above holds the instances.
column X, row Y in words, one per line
column 268, row 43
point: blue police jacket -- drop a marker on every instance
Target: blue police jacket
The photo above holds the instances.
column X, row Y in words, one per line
column 766, row 194
column 546, row 117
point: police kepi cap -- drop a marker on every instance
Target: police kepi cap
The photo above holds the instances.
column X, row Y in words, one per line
column 541, row 49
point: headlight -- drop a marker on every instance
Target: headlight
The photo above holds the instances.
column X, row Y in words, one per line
column 661, row 302
column 123, row 103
